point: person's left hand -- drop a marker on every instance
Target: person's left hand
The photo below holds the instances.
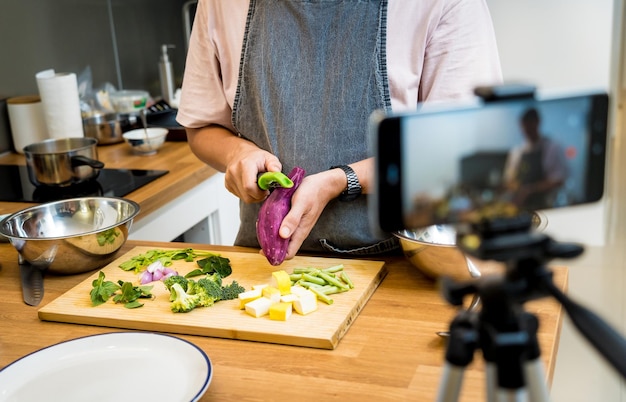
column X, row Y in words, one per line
column 307, row 204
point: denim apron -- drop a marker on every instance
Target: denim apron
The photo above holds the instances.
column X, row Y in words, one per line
column 531, row 171
column 311, row 73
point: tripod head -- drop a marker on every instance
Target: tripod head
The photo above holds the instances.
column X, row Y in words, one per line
column 525, row 254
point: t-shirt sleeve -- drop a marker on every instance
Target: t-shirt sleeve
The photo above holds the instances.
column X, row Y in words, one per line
column 204, row 99
column 461, row 52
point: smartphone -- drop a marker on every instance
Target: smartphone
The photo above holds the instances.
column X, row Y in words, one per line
column 461, row 164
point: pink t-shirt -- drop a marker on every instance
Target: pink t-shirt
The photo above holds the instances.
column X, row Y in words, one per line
column 437, row 50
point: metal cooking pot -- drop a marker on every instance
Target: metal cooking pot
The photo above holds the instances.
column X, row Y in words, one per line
column 62, row 162
column 106, row 128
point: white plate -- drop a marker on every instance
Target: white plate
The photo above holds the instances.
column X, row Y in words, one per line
column 121, row 366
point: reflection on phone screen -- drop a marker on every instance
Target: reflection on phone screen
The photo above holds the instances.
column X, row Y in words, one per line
column 498, row 160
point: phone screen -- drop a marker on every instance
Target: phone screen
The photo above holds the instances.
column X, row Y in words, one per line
column 491, row 160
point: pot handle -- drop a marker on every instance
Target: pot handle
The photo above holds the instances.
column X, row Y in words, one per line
column 80, row 160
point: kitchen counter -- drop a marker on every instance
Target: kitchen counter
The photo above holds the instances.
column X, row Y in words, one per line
column 185, row 172
column 390, row 352
column 191, row 199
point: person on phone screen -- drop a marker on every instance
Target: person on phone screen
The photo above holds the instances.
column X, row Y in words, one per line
column 270, row 85
column 537, row 169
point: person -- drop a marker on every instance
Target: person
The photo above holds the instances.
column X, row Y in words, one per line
column 536, row 169
column 272, row 85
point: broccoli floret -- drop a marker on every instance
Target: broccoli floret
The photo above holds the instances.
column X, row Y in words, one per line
column 208, row 290
column 230, row 292
column 215, row 277
column 181, row 301
column 181, row 280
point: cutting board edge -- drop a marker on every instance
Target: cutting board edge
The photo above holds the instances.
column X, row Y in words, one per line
column 250, row 336
column 356, row 310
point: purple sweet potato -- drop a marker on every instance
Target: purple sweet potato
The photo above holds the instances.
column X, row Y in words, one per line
column 271, row 215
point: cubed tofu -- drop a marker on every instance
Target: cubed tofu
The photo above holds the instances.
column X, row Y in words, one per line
column 298, row 290
column 259, row 307
column 280, row 311
column 271, row 293
column 290, row 298
column 306, row 303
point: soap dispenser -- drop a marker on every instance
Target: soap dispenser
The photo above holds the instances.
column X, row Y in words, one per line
column 166, row 74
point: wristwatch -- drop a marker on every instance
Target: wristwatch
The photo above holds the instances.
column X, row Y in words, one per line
column 354, row 187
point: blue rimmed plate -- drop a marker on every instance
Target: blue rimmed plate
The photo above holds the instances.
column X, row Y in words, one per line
column 122, row 366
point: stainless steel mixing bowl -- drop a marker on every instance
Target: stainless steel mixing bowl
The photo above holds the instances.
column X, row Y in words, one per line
column 433, row 251
column 71, row 236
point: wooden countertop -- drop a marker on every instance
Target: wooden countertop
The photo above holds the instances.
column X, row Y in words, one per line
column 185, row 172
column 390, row 352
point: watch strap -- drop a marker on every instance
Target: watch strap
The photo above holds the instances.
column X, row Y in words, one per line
column 354, row 189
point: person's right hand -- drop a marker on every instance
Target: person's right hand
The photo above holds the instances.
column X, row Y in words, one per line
column 243, row 168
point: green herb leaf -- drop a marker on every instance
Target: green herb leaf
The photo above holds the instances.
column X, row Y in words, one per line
column 214, row 264
column 134, row 304
column 102, row 290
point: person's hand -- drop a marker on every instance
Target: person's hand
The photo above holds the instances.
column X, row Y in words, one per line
column 243, row 168
column 307, row 204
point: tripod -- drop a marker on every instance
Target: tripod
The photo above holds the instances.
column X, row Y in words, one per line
column 502, row 330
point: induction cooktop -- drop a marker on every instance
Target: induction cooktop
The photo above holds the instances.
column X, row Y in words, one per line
column 15, row 185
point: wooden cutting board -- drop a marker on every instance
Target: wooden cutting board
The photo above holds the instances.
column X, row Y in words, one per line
column 320, row 329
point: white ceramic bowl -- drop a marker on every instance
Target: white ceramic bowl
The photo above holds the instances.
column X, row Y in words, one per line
column 146, row 142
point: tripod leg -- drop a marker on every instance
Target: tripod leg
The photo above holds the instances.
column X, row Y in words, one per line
column 450, row 386
column 535, row 381
column 462, row 344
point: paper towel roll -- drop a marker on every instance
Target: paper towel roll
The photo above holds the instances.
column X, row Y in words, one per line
column 61, row 103
column 27, row 121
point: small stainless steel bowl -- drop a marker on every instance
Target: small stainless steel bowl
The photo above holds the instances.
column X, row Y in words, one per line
column 71, row 236
column 106, row 128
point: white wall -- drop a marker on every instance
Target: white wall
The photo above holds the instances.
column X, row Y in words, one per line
column 559, row 45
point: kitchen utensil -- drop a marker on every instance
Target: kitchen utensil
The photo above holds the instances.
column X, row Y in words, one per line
column 31, row 278
column 144, row 123
column 71, row 236
column 2, row 238
column 106, row 128
column 73, row 370
column 145, row 141
column 322, row 329
column 64, row 161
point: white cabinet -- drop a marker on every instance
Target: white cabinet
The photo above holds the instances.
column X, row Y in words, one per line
column 208, row 213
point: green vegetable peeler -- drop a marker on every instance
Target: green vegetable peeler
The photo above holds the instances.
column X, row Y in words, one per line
column 269, row 180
